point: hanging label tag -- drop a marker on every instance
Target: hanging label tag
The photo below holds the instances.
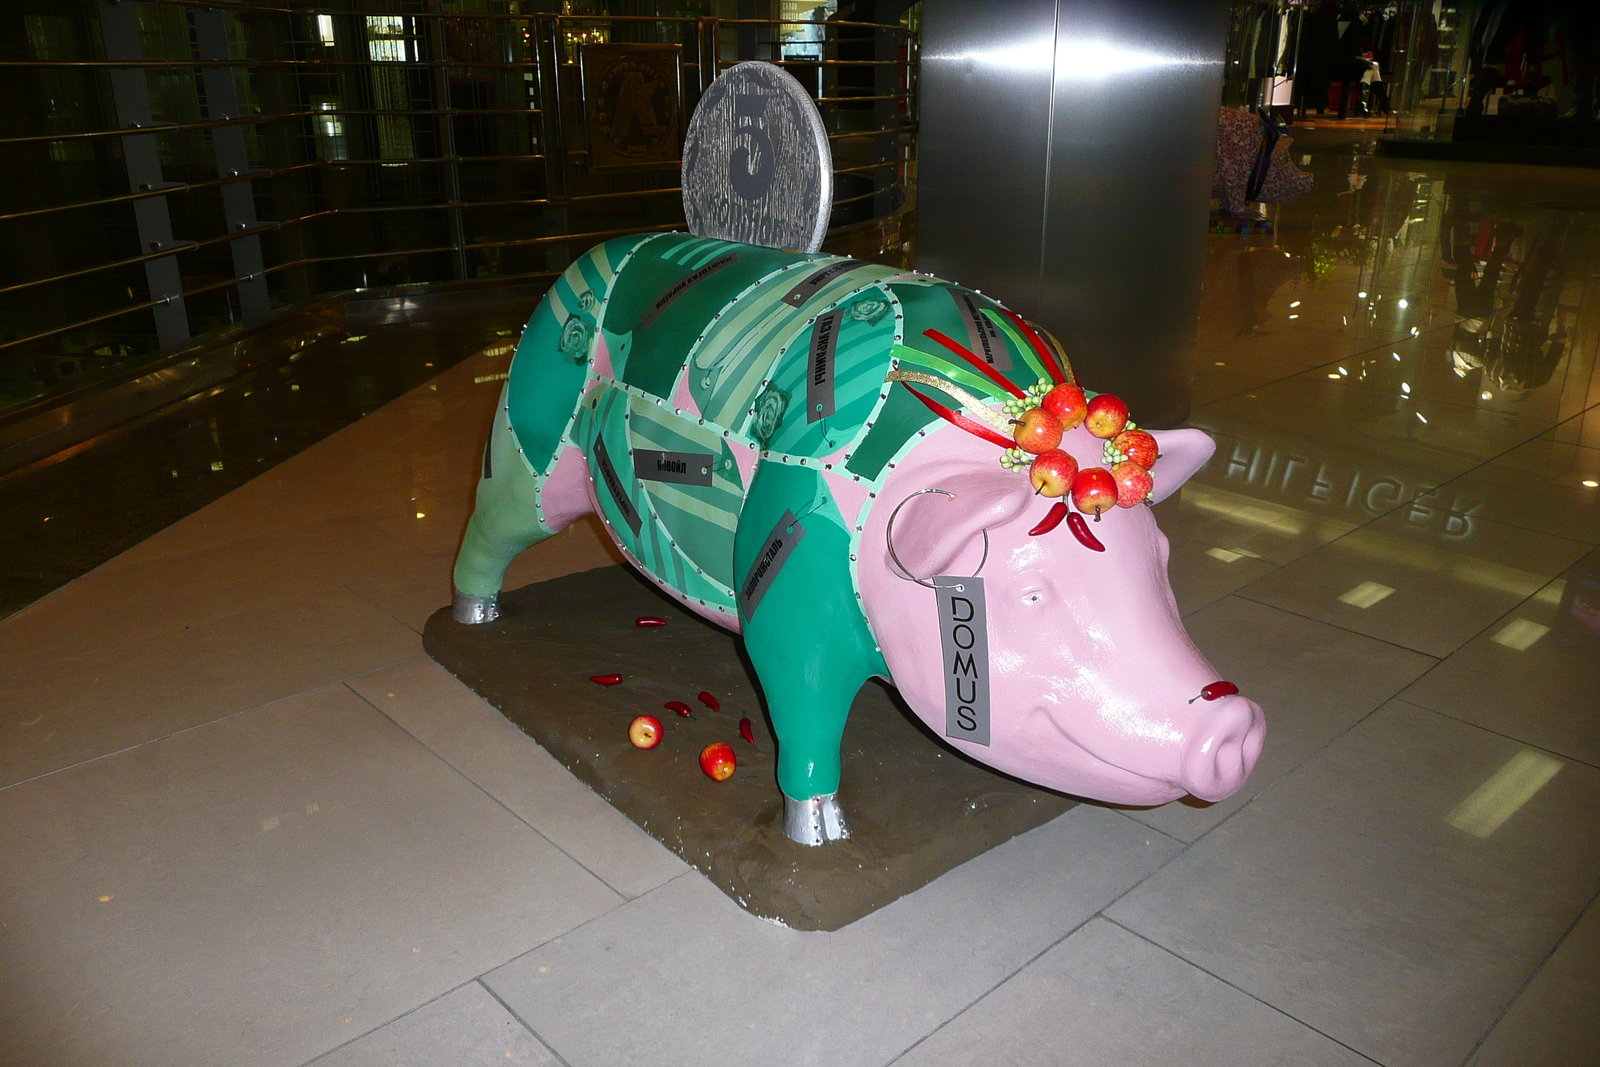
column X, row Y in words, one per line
column 964, row 634
column 681, row 468
column 608, row 474
column 683, row 285
column 808, row 288
column 769, row 561
column 819, row 376
column 983, row 336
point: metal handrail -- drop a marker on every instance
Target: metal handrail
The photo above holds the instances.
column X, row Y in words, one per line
column 540, row 54
column 312, row 260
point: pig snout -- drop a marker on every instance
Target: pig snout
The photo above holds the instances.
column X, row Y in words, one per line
column 1222, row 752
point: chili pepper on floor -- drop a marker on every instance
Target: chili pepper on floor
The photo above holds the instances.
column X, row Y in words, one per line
column 678, row 707
column 746, row 731
column 709, row 701
column 606, row 679
column 1080, row 530
column 1052, row 519
column 646, row 621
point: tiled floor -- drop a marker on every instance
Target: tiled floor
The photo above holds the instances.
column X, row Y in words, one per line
column 243, row 820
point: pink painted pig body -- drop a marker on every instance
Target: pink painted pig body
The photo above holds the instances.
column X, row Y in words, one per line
column 1094, row 681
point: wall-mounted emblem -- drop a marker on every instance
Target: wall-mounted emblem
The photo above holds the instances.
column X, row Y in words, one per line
column 632, row 104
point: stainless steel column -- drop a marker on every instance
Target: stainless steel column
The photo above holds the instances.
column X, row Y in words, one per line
column 1065, row 168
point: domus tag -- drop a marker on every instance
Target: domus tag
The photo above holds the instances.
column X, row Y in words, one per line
column 964, row 635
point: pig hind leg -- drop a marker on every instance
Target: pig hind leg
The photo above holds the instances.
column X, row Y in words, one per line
column 515, row 508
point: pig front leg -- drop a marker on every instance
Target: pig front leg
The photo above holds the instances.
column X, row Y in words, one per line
column 806, row 635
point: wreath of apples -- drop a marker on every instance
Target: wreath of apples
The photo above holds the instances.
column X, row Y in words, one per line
column 1034, row 420
column 1045, row 415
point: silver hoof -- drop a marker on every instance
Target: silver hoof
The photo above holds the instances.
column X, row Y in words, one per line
column 472, row 609
column 814, row 822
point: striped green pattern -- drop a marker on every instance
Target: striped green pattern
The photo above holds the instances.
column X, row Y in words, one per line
column 733, row 361
column 865, row 347
column 660, row 304
column 699, row 520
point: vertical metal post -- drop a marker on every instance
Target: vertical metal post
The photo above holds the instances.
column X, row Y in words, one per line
column 119, row 32
column 1066, row 162
column 547, row 52
column 447, row 140
column 233, row 159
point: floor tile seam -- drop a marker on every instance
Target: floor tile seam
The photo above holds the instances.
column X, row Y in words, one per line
column 1329, row 743
column 387, row 1022
column 364, row 517
column 1301, row 371
column 622, row 898
column 526, row 1025
column 981, row 997
column 1240, row 990
column 1496, row 733
column 380, row 609
column 1490, row 625
column 174, row 733
column 486, row 975
column 1242, row 594
column 1537, row 970
column 148, row 633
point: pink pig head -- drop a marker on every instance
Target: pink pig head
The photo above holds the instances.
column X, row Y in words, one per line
column 1095, row 688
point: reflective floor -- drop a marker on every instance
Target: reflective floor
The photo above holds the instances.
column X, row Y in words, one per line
column 244, row 820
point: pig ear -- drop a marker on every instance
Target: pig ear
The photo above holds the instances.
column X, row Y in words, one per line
column 1182, row 453
column 932, row 529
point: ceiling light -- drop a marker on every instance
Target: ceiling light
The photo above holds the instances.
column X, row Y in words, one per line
column 1405, row 387
column 1294, row 316
column 1361, row 295
column 1590, row 483
column 1486, row 396
column 1343, row 371
column 1294, row 303
column 1422, row 418
column 1403, row 302
column 1396, row 356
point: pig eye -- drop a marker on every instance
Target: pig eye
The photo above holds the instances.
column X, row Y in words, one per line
column 1033, row 596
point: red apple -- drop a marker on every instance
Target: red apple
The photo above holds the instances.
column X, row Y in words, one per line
column 1066, row 402
column 1094, row 491
column 1107, row 416
column 1133, row 483
column 1052, row 473
column 1038, row 431
column 718, row 761
column 1138, row 446
column 645, row 731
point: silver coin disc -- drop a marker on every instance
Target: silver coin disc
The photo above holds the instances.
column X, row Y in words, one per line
column 757, row 167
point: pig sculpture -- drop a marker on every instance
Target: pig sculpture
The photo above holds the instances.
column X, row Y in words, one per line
column 766, row 436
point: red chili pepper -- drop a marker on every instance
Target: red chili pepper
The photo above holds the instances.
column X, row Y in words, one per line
column 1216, row 691
column 679, row 707
column 746, row 731
column 649, row 620
column 709, row 701
column 606, row 679
column 977, row 364
column 955, row 418
column 1058, row 511
column 1080, row 530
